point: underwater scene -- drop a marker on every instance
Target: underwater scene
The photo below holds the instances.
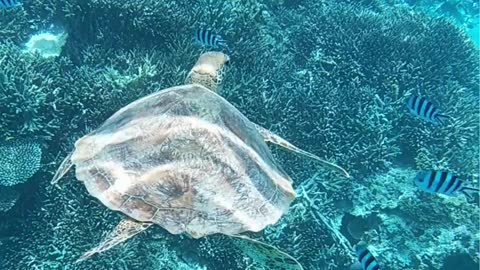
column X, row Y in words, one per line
column 225, row 135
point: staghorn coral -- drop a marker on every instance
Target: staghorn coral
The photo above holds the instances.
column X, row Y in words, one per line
column 458, row 139
column 350, row 70
column 322, row 45
column 329, row 77
column 417, row 230
column 125, row 24
column 51, row 97
column 310, row 231
column 72, row 223
column 58, row 219
column 26, row 83
column 14, row 27
column 80, row 98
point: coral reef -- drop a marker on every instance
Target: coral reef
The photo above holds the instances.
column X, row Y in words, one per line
column 15, row 25
column 20, row 160
column 42, row 95
column 330, row 76
column 323, row 54
column 8, row 198
column 415, row 230
column 71, row 223
column 394, row 55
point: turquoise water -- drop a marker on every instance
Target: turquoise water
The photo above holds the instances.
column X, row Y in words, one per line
column 474, row 34
column 330, row 77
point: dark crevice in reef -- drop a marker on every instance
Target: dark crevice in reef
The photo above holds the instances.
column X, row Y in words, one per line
column 459, row 261
column 353, row 227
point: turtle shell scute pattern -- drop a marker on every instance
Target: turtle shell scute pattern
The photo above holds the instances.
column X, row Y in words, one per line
column 185, row 159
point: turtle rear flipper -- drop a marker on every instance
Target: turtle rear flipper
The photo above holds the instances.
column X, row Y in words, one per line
column 126, row 229
column 63, row 169
column 266, row 255
column 271, row 137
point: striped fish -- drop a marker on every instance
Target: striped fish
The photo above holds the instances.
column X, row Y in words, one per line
column 442, row 182
column 365, row 257
column 9, row 3
column 206, row 38
column 425, row 110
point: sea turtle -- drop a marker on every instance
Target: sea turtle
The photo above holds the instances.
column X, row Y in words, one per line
column 186, row 159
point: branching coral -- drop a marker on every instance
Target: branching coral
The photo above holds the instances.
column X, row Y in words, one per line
column 342, row 85
column 51, row 97
column 417, row 230
column 14, row 27
column 26, row 84
column 329, row 76
column 450, row 147
column 65, row 218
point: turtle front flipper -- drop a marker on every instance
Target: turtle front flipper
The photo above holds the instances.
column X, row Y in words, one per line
column 266, row 255
column 125, row 230
column 63, row 169
column 271, row 137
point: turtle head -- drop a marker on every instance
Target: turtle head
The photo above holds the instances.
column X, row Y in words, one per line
column 208, row 70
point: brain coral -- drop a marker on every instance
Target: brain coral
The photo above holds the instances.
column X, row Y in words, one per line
column 20, row 160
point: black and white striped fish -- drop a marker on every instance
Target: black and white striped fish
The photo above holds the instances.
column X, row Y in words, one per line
column 365, row 257
column 425, row 110
column 9, row 3
column 206, row 38
column 442, row 182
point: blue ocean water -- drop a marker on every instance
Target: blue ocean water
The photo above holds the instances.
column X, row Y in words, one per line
column 331, row 77
column 474, row 34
